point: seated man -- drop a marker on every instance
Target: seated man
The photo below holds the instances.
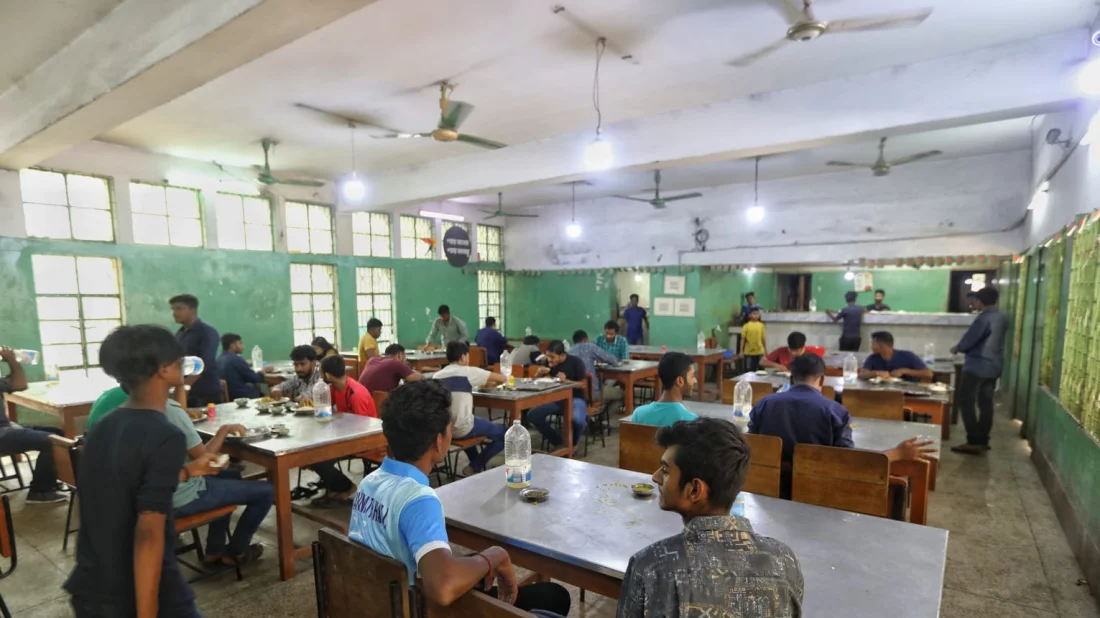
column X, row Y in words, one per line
column 492, row 340
column 15, row 439
column 385, row 373
column 307, row 373
column 886, row 362
column 240, row 379
column 528, row 352
column 677, row 374
column 717, row 566
column 348, row 395
column 590, row 353
column 612, row 342
column 780, row 358
column 571, row 370
column 461, row 379
column 397, row 514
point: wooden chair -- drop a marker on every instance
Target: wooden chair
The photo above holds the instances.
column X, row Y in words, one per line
column 225, row 390
column 765, row 465
column 478, row 357
column 15, row 475
column 351, row 366
column 66, row 454
column 885, row 405
column 760, row 390
column 352, row 581
column 192, row 523
column 7, row 547
column 834, row 372
column 829, row 392
column 842, row 478
column 638, row 450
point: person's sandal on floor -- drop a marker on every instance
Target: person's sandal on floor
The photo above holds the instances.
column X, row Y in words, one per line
column 255, row 551
column 329, row 501
column 970, row 449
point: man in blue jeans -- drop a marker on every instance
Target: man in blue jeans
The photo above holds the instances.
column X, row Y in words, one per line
column 461, row 379
column 572, row 370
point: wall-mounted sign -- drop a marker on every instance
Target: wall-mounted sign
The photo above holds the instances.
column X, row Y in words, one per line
column 456, row 246
column 685, row 307
column 675, row 285
column 864, row 282
column 664, row 306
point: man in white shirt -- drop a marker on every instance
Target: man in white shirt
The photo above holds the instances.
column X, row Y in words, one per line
column 461, row 379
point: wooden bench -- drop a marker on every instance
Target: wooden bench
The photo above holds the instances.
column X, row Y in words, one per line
column 354, row 582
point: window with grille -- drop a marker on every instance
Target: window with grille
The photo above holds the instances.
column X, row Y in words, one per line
column 166, row 215
column 490, row 297
column 79, row 303
column 308, row 228
column 374, row 299
column 488, row 243
column 371, row 234
column 313, row 302
column 66, row 206
column 413, row 232
column 244, row 222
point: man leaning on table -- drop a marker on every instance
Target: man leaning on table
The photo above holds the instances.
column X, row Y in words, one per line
column 448, row 328
column 780, row 358
column 983, row 344
column 397, row 514
column 717, row 566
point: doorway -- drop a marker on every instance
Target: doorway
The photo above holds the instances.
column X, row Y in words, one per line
column 795, row 291
column 964, row 282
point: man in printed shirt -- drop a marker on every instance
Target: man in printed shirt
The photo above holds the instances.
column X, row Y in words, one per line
column 612, row 342
column 307, row 373
column 717, row 566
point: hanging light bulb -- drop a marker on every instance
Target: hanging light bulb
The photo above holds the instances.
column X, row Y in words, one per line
column 573, row 230
column 848, row 274
column 353, row 188
column 750, row 270
column 755, row 213
column 1088, row 78
column 598, row 156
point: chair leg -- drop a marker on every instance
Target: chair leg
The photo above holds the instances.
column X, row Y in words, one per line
column 68, row 521
column 198, row 545
column 4, row 608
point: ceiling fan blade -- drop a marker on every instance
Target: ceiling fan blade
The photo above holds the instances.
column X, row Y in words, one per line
column 791, row 13
column 685, row 196
column 750, row 58
column 457, row 113
column 880, row 22
column 508, row 214
column 916, row 157
column 492, row 216
column 402, row 136
column 480, row 141
column 849, row 164
column 299, row 183
column 633, row 199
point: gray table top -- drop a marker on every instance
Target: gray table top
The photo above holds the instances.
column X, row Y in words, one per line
column 414, row 355
column 515, row 395
column 305, row 431
column 914, row 389
column 630, row 366
column 853, row 565
column 656, row 349
column 70, row 392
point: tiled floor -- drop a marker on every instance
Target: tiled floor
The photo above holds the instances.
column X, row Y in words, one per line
column 1007, row 557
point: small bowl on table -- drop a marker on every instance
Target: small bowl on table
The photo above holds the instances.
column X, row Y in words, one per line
column 280, row 430
column 242, row 402
column 278, row 409
column 643, row 490
column 534, row 495
column 263, row 408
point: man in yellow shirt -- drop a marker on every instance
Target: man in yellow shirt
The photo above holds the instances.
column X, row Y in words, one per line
column 368, row 344
column 753, row 347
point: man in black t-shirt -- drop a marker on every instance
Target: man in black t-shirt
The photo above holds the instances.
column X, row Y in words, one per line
column 569, row 369
column 132, row 460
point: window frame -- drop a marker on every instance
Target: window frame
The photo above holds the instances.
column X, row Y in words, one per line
column 484, row 308
column 335, row 341
column 309, row 230
column 499, row 231
column 388, row 326
column 416, row 239
column 244, row 223
column 168, row 216
column 112, row 204
column 370, row 234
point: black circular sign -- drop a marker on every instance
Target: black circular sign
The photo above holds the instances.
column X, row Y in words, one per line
column 456, row 246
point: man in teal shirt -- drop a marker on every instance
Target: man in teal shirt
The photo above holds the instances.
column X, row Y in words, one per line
column 677, row 374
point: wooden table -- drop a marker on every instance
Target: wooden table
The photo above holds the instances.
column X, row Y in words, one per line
column 709, row 356
column 592, row 524
column 514, row 402
column 628, row 375
column 309, row 442
column 66, row 400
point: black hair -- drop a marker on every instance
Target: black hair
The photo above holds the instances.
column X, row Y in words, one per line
column 635, row 296
column 579, row 336
column 413, row 416
column 883, row 337
column 711, row 450
column 531, row 340
column 806, row 367
column 229, row 339
column 394, row 349
column 971, row 294
column 671, row 366
column 334, row 365
column 750, row 293
column 555, row 347
column 611, row 325
column 322, row 343
column 850, row 296
column 134, row 354
column 184, row 299
column 456, row 350
column 490, row 322
column 303, row 352
column 988, row 296
column 444, row 310
column 883, row 292
column 374, row 323
column 796, row 341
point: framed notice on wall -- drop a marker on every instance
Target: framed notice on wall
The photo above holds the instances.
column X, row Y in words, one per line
column 685, row 307
column 675, row 285
column 664, row 306
column 864, row 282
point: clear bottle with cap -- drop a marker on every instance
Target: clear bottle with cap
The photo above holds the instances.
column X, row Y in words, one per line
column 506, row 367
column 322, row 402
column 929, row 353
column 851, row 367
column 742, row 404
column 701, row 342
column 517, row 457
column 257, row 358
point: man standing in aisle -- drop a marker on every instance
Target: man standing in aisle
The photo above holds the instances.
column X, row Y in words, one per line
column 198, row 339
column 635, row 316
column 852, row 314
column 449, row 328
column 983, row 344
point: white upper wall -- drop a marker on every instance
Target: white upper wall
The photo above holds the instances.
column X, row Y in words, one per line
column 1076, row 183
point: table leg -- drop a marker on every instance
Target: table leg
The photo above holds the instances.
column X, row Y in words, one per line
column 12, row 414
column 284, row 525
column 918, row 474
column 718, row 378
column 628, row 394
column 933, row 469
column 701, row 376
column 68, row 424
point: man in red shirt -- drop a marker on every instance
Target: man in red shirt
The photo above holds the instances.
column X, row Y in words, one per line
column 347, row 395
column 780, row 358
column 384, row 373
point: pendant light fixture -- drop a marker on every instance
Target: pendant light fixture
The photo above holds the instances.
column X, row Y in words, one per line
column 848, row 274
column 755, row 212
column 573, row 230
column 353, row 189
column 597, row 156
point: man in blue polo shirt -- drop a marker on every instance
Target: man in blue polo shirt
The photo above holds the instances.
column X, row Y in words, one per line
column 677, row 374
column 397, row 514
column 198, row 339
column 886, row 362
column 635, row 316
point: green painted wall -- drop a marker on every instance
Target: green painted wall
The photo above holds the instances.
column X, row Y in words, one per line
column 924, row 290
column 1073, row 454
column 670, row 330
column 554, row 305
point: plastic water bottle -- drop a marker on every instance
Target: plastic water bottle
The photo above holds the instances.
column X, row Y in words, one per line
column 786, row 387
column 929, row 353
column 813, row 305
column 528, row 332
column 738, row 509
column 257, row 358
column 53, row 375
column 26, row 357
column 322, row 402
column 701, row 342
column 517, row 457
column 851, row 368
column 742, row 405
column 193, row 366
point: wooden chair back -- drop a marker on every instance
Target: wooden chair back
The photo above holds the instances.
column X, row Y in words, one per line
column 885, row 405
column 638, row 450
column 7, row 535
column 765, row 465
column 478, row 357
column 351, row 366
column 225, row 390
column 379, row 397
column 543, row 343
column 760, row 390
column 727, row 391
column 841, row 478
column 834, row 372
column 64, row 459
column 351, row 580
column 829, row 392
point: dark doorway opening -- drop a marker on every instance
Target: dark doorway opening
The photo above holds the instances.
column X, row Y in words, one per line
column 965, row 281
column 795, row 292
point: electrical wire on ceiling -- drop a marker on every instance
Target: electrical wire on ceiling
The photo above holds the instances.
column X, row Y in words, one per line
column 601, row 44
column 573, row 217
column 351, row 127
column 756, row 184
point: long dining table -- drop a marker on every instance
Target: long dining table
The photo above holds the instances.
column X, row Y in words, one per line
column 629, row 373
column 515, row 401
column 68, row 400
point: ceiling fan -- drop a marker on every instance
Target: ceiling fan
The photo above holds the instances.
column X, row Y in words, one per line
column 499, row 212
column 266, row 178
column 804, row 27
column 882, row 167
column 451, row 115
column 658, row 201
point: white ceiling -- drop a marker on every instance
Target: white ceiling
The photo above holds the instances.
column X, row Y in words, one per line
column 38, row 29
column 966, row 141
column 530, row 73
